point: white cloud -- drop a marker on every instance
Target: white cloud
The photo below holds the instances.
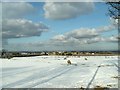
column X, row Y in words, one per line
column 16, row 28
column 106, row 28
column 70, row 44
column 114, row 21
column 66, row 10
column 16, row 9
column 82, row 33
column 79, row 39
column 92, row 40
column 86, row 36
column 112, row 39
column 59, row 38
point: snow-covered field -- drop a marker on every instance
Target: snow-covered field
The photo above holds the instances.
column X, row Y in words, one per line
column 53, row 72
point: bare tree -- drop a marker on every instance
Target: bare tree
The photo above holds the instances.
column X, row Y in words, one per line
column 114, row 9
column 114, row 12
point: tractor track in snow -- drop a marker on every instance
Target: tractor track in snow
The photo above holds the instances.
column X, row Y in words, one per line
column 54, row 75
column 38, row 75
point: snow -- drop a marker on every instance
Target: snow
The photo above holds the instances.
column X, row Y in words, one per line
column 54, row 72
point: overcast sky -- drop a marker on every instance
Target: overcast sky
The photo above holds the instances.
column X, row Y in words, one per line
column 42, row 26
